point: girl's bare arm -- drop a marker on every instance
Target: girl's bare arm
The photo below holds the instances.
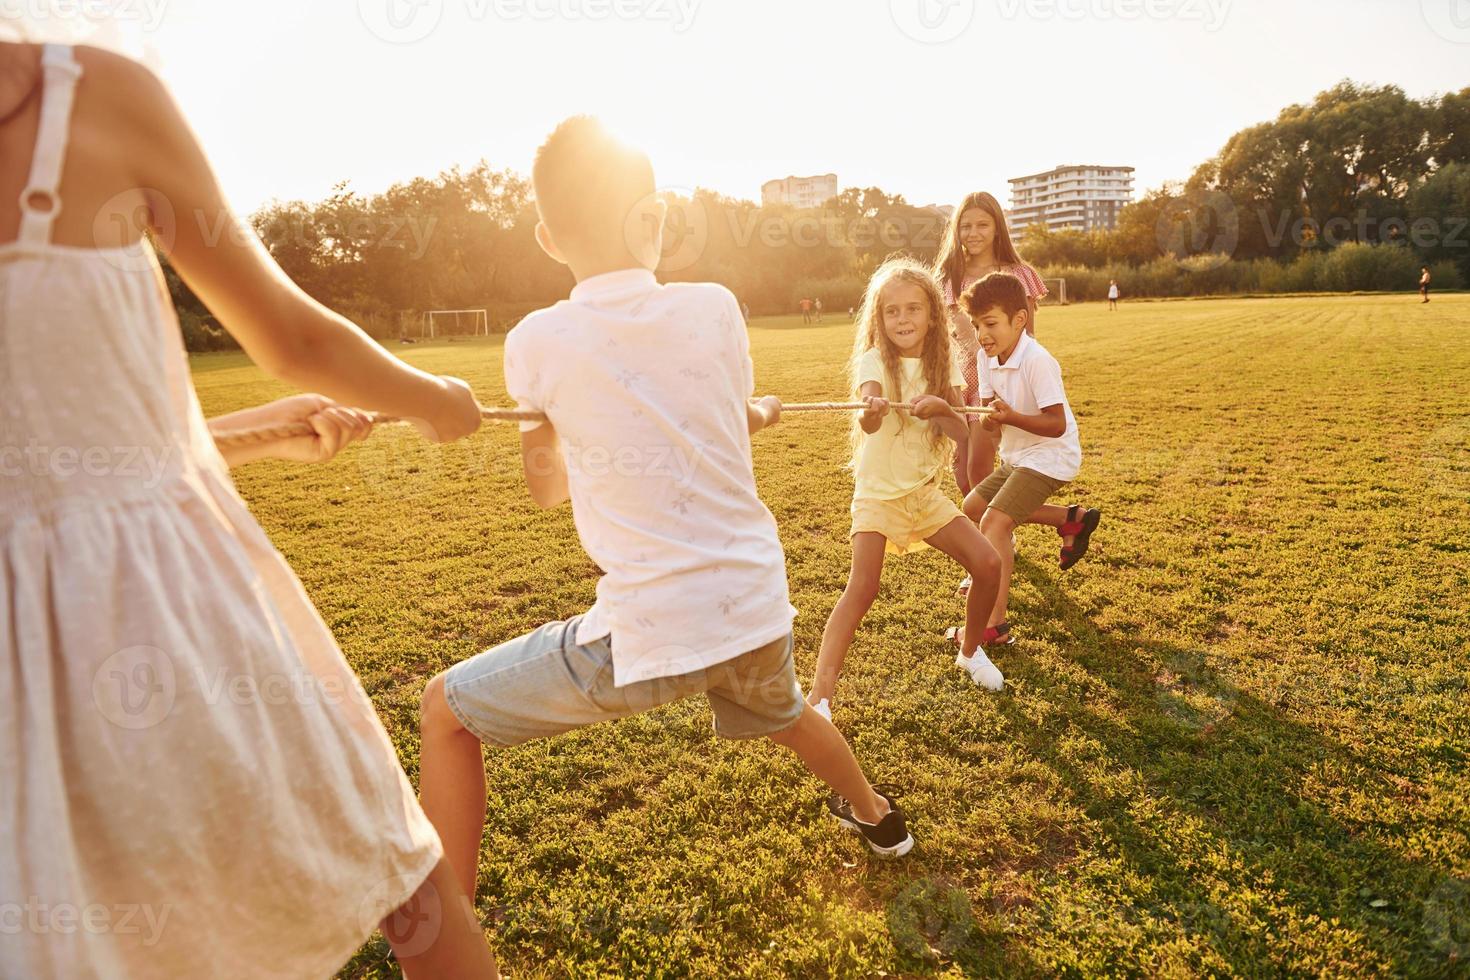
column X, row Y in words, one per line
column 285, row 331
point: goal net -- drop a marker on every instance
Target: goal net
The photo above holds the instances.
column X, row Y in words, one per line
column 456, row 323
column 1056, row 293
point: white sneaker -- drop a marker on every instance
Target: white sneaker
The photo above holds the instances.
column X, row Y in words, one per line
column 984, row 673
column 823, row 708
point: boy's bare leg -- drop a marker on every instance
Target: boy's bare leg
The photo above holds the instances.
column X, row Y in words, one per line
column 1051, row 515
column 436, row 934
column 452, row 785
column 824, row 751
column 857, row 599
column 977, row 555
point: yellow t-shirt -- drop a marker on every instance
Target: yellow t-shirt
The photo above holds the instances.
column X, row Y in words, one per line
column 898, row 458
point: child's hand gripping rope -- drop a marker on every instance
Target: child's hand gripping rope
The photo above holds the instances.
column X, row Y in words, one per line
column 1000, row 414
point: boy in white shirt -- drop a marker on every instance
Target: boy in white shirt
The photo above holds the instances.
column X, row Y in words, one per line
column 647, row 393
column 1039, row 449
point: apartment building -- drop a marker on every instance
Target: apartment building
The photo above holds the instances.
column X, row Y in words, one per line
column 800, row 192
column 1086, row 197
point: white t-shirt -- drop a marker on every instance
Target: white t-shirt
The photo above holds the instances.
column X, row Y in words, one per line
column 1030, row 380
column 646, row 386
column 1112, row 291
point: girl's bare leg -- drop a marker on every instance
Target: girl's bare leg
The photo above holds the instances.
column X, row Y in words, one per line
column 997, row 528
column 962, row 466
column 982, row 453
column 963, row 542
column 857, row 599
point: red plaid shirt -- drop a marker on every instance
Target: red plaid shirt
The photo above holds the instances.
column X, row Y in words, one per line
column 966, row 342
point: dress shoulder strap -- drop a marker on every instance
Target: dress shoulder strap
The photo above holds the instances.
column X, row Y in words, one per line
column 40, row 202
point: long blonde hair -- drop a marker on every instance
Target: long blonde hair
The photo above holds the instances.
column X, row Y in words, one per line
column 937, row 367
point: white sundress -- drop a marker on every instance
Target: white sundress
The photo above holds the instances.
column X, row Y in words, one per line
column 192, row 781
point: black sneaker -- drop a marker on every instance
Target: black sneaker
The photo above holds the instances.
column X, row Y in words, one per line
column 889, row 838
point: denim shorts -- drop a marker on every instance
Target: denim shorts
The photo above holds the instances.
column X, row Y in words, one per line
column 545, row 683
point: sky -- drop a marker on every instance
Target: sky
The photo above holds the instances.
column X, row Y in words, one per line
column 927, row 98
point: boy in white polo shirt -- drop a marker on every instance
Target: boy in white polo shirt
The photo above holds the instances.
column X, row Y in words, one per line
column 647, row 393
column 1039, row 449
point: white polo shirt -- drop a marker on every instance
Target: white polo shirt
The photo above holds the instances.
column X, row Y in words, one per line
column 646, row 386
column 1030, row 380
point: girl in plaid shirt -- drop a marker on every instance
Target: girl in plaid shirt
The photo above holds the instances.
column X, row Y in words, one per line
column 977, row 244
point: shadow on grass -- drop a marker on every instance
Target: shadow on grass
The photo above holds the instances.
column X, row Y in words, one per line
column 1234, row 763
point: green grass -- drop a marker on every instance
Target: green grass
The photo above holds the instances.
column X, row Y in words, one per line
column 1233, row 740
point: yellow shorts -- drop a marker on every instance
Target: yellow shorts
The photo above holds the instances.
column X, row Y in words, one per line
column 905, row 521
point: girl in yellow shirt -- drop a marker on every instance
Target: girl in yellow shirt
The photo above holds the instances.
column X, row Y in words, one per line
column 902, row 356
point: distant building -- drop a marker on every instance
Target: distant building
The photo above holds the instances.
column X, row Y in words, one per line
column 800, row 192
column 1083, row 198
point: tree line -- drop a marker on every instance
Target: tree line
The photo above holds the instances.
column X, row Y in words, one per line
column 1352, row 191
column 1359, row 167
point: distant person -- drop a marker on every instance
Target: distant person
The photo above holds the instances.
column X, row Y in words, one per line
column 806, row 311
column 1424, row 283
column 745, row 309
column 1112, row 294
column 817, row 307
column 852, row 314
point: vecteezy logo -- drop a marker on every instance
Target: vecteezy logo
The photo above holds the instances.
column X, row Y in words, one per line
column 932, row 21
column 684, row 234
column 401, row 21
column 124, row 217
column 413, row 926
column 1447, row 919
column 1199, row 232
column 1450, row 19
column 135, row 688
column 1445, row 457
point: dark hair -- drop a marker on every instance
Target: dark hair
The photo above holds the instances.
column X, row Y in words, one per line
column 949, row 267
column 999, row 289
column 587, row 182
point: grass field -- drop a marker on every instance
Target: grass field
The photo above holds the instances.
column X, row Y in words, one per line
column 1234, row 740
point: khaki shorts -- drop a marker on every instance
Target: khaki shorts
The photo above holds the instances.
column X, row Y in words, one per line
column 905, row 521
column 1017, row 493
column 545, row 683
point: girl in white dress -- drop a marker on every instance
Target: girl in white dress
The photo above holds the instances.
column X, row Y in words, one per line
column 192, row 781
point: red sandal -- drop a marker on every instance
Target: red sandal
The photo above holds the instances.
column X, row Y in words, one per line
column 1082, row 528
column 999, row 635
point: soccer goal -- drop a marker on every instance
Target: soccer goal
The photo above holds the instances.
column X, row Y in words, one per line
column 456, row 323
column 1056, row 292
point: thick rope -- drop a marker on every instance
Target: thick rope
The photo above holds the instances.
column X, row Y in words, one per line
column 271, row 433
